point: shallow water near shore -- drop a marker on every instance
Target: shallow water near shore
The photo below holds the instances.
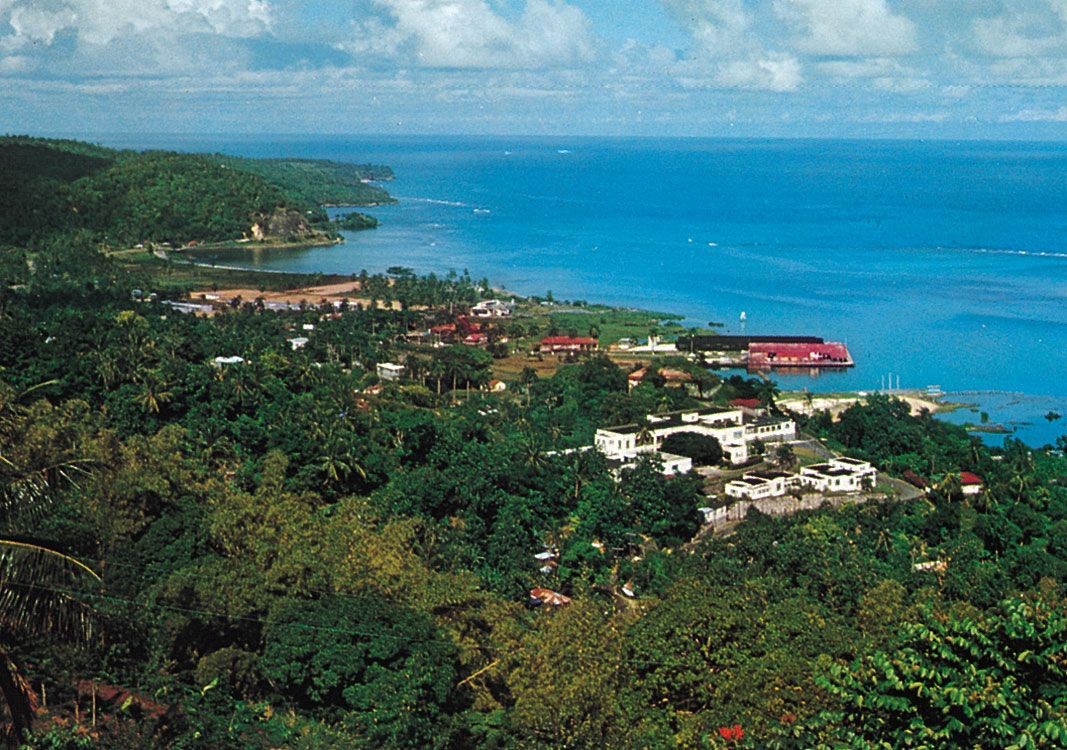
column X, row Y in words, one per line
column 942, row 263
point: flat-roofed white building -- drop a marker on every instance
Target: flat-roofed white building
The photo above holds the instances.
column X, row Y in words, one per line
column 769, row 428
column 840, row 475
column 672, row 464
column 835, row 475
column 491, row 308
column 725, row 424
column 757, row 485
column 389, row 372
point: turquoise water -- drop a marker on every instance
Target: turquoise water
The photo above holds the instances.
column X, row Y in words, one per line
column 943, row 263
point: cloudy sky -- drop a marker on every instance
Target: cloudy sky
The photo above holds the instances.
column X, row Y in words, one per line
column 952, row 68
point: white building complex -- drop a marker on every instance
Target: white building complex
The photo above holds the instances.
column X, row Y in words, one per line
column 491, row 308
column 836, row 475
column 734, row 427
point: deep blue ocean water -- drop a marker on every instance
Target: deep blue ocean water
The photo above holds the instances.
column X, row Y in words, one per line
column 941, row 262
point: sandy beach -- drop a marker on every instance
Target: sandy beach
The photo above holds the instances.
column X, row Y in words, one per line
column 312, row 295
column 837, row 403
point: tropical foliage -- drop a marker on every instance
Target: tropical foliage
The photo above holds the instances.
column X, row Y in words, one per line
column 295, row 554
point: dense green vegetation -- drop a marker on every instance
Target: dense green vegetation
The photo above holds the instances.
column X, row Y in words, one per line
column 318, row 181
column 355, row 221
column 293, row 554
column 124, row 198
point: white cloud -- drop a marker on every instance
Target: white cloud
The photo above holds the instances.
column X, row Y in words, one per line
column 719, row 27
column 728, row 53
column 1037, row 115
column 98, row 22
column 901, row 85
column 854, row 28
column 776, row 72
column 1023, row 29
column 471, row 34
column 15, row 64
column 1024, row 71
column 35, row 24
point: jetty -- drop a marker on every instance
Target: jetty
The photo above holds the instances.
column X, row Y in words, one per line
column 759, row 353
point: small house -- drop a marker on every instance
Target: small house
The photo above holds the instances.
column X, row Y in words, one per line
column 971, row 483
column 389, row 372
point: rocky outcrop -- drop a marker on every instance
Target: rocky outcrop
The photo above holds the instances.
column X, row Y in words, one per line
column 283, row 223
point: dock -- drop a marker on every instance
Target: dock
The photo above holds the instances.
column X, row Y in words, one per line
column 760, row 353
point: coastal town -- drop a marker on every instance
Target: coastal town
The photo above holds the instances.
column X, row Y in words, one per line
column 391, row 509
column 748, row 431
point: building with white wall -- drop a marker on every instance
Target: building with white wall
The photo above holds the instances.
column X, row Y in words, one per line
column 836, row 475
column 731, row 426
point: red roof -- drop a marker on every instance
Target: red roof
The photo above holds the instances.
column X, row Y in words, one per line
column 565, row 340
column 548, row 596
column 968, row 478
column 775, row 353
column 672, row 375
column 746, row 403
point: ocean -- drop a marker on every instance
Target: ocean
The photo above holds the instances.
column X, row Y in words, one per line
column 939, row 262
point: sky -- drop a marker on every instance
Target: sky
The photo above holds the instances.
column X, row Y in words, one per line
column 806, row 68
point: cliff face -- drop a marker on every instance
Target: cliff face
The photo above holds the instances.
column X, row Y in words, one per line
column 283, row 223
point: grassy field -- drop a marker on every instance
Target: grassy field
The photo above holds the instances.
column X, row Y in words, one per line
column 605, row 323
column 179, row 276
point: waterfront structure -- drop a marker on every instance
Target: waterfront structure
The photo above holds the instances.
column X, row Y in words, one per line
column 765, row 356
column 717, row 343
column 770, row 352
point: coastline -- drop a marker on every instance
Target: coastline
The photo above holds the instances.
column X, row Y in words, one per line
column 1018, row 415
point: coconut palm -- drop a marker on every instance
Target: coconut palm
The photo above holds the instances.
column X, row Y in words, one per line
column 38, row 583
column 767, row 392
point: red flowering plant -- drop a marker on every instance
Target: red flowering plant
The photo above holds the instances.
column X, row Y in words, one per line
column 732, row 734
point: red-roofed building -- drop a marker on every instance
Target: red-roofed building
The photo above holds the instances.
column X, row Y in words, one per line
column 746, row 403
column 558, row 344
column 671, row 377
column 765, row 356
column 541, row 596
column 971, row 483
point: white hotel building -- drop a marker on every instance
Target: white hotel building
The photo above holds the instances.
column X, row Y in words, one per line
column 735, row 428
column 836, row 475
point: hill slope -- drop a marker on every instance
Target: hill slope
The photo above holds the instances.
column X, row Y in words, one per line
column 50, row 187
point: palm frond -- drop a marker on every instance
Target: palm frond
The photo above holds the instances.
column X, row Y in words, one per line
column 33, row 388
column 39, row 591
column 29, row 492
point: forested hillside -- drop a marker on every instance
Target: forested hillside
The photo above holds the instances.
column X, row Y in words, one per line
column 230, row 532
column 318, row 181
column 124, row 198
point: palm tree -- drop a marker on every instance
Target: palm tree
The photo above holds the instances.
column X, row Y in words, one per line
column 767, row 391
column 154, row 392
column 38, row 583
column 644, row 435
